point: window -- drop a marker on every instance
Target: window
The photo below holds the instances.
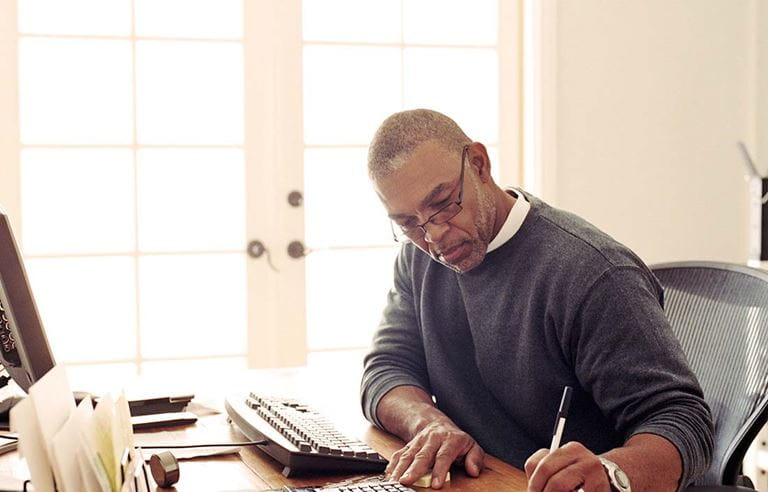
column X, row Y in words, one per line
column 146, row 142
column 132, row 180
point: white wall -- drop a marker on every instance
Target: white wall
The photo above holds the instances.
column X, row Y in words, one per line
column 650, row 99
column 762, row 84
column 10, row 197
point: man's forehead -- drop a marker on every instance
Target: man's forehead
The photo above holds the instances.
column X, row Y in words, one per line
column 426, row 160
column 428, row 167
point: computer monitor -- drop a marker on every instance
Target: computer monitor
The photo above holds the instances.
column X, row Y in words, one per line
column 24, row 350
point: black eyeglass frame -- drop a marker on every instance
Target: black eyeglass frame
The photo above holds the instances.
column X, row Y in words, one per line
column 406, row 234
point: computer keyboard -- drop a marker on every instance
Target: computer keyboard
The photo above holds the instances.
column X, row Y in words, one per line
column 299, row 437
column 362, row 487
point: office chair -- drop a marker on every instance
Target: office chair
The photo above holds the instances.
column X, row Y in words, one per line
column 719, row 312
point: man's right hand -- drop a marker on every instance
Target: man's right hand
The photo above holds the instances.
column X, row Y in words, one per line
column 435, row 442
column 436, row 447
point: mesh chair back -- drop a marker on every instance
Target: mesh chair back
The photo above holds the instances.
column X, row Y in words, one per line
column 719, row 312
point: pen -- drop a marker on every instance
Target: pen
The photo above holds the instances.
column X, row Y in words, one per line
column 557, row 433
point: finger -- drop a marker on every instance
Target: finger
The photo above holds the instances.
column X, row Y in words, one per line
column 586, row 475
column 443, row 460
column 393, row 461
column 422, row 462
column 550, row 464
column 474, row 460
column 403, row 462
column 533, row 461
column 569, row 478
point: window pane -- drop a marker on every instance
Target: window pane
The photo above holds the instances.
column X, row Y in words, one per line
column 337, row 361
column 189, row 92
column 346, row 293
column 75, row 91
column 462, row 83
column 100, row 379
column 348, row 91
column 352, row 20
column 88, row 306
column 341, row 206
column 77, row 200
column 191, row 200
column 460, row 22
column 94, row 17
column 190, row 19
column 192, row 375
column 192, row 305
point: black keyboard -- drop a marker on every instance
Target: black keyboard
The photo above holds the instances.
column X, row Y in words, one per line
column 299, row 437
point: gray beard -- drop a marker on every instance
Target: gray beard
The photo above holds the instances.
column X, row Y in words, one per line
column 483, row 225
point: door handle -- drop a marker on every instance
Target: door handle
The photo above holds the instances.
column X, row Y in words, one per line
column 297, row 250
column 256, row 249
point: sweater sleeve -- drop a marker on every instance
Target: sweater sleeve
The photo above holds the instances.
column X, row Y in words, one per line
column 628, row 358
column 397, row 355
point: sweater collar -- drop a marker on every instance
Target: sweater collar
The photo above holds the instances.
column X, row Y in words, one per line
column 514, row 220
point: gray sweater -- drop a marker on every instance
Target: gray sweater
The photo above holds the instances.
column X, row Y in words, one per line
column 560, row 303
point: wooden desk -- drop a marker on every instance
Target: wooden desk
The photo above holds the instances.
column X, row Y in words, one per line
column 251, row 469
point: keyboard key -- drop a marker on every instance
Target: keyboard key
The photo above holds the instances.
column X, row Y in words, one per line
column 304, row 447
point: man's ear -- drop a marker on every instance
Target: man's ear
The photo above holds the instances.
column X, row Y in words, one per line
column 479, row 160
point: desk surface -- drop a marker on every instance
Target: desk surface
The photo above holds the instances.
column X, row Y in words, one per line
column 251, row 469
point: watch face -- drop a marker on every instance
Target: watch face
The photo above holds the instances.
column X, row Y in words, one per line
column 621, row 478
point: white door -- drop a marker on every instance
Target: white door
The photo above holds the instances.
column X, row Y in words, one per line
column 147, row 144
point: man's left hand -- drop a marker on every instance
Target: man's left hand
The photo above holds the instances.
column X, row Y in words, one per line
column 566, row 469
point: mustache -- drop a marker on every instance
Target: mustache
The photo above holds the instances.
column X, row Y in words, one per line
column 441, row 251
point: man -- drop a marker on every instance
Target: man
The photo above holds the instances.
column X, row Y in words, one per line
column 499, row 302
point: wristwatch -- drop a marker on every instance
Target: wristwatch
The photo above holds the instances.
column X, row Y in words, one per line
column 616, row 476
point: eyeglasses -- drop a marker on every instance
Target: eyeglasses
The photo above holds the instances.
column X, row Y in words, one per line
column 402, row 233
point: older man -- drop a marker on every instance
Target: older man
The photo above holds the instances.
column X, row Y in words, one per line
column 499, row 301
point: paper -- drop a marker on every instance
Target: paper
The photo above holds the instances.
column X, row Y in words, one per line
column 32, row 445
column 102, row 439
column 93, row 476
column 87, row 477
column 53, row 403
column 66, row 446
column 156, row 439
column 135, row 473
column 123, row 418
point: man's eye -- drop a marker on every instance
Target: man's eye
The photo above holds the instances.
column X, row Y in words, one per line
column 441, row 203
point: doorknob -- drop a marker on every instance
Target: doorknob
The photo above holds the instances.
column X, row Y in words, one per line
column 256, row 249
column 295, row 198
column 296, row 249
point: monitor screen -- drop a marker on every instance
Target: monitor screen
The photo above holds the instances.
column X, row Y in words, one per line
column 24, row 350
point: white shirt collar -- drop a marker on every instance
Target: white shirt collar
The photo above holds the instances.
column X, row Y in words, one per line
column 514, row 220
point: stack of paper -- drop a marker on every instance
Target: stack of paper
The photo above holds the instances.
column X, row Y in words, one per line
column 70, row 449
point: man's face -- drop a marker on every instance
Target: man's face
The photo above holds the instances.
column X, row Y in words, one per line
column 428, row 181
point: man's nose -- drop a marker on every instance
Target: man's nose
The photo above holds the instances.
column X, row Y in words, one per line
column 433, row 232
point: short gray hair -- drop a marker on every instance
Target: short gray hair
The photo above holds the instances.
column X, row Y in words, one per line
column 400, row 134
